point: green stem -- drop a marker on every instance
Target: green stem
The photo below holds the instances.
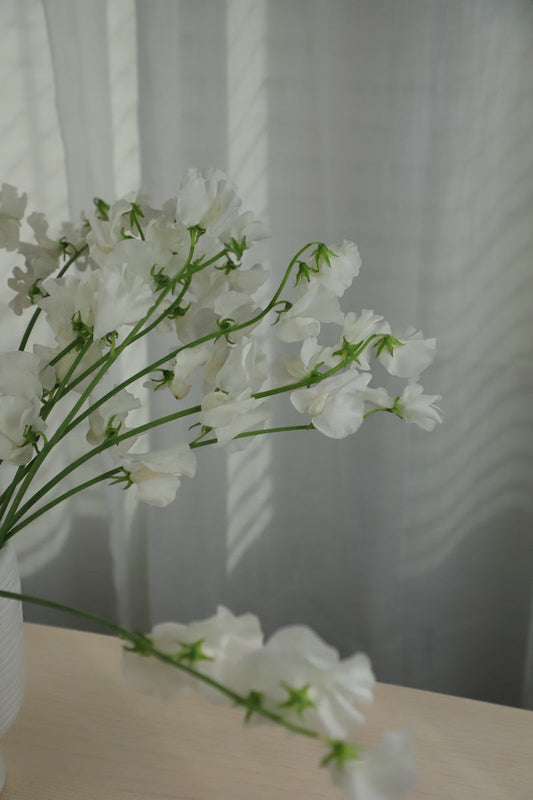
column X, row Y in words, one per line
column 109, row 474
column 309, row 427
column 161, row 317
column 65, row 351
column 144, row 644
column 37, row 312
column 61, row 389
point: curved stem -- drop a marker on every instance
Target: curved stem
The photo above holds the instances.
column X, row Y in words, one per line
column 144, row 645
column 109, row 474
column 204, row 442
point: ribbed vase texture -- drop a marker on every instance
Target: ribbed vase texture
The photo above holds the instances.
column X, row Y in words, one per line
column 11, row 646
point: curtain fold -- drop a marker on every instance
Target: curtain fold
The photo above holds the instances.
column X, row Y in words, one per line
column 405, row 126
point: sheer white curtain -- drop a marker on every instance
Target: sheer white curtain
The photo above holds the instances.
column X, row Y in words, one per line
column 405, row 125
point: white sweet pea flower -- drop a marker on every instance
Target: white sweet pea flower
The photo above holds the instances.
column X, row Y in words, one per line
column 296, row 661
column 41, row 260
column 336, row 404
column 12, row 207
column 62, row 367
column 70, row 297
column 75, row 233
column 245, row 229
column 157, row 474
column 220, row 642
column 337, row 266
column 133, row 254
column 217, row 359
column 414, row 406
column 409, row 358
column 245, row 369
column 208, row 199
column 111, row 413
column 105, row 234
column 381, row 773
column 17, row 415
column 186, row 362
column 230, row 416
column 169, row 242
column 24, row 375
column 303, row 320
column 311, row 354
column 376, row 398
column 122, row 298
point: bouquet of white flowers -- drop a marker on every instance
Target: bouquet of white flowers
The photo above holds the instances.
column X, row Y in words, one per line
column 128, row 269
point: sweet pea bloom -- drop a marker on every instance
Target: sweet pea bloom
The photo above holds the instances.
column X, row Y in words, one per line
column 414, row 406
column 157, row 474
column 112, row 415
column 338, row 270
column 214, row 646
column 336, row 404
column 303, row 320
column 231, row 416
column 382, row 773
column 297, row 672
column 17, row 415
column 410, row 357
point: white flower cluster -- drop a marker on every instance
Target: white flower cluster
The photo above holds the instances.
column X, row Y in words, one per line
column 295, row 676
column 187, row 269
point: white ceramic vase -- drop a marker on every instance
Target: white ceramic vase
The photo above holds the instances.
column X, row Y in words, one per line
column 11, row 647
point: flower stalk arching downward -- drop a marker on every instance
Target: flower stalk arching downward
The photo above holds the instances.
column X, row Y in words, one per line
column 345, row 760
column 186, row 270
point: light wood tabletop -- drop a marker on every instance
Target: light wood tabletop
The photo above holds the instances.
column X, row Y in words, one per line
column 83, row 734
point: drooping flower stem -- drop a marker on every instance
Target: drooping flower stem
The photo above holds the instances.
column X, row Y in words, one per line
column 143, row 645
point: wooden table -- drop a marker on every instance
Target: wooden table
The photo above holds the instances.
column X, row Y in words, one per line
column 83, row 734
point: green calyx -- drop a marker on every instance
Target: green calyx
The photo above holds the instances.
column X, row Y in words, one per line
column 123, row 477
column 161, row 279
column 388, row 343
column 111, row 430
column 177, row 310
column 32, row 436
column 196, row 231
column 322, row 254
column 167, row 376
column 236, row 247
column 102, row 209
column 340, row 753
column 84, row 332
column 142, row 645
column 298, row 699
column 36, row 291
column 348, row 351
column 253, row 702
column 304, row 272
column 192, row 652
